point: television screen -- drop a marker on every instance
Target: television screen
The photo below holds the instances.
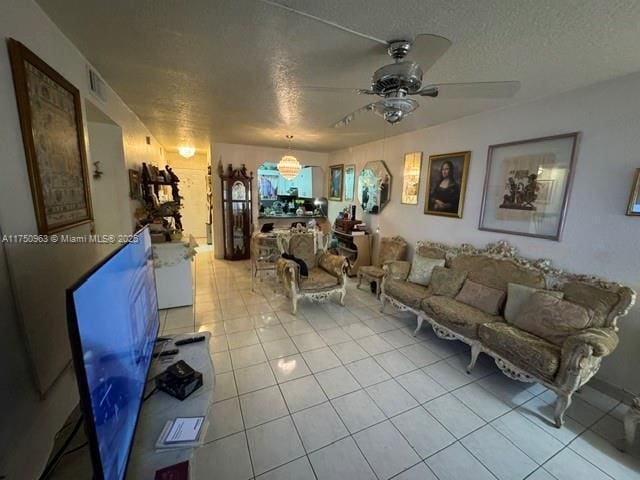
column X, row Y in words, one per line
column 113, row 324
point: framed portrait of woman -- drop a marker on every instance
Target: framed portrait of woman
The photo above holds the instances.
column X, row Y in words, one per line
column 446, row 184
column 336, row 172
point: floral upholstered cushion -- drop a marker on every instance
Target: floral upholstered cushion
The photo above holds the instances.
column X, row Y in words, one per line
column 409, row 294
column 446, row 281
column 334, row 264
column 600, row 301
column 392, row 249
column 526, row 351
column 487, row 299
column 518, row 295
column 457, row 316
column 551, row 318
column 318, row 279
column 421, row 269
column 370, row 270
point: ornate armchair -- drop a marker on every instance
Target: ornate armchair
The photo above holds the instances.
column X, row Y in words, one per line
column 265, row 251
column 327, row 272
column 391, row 249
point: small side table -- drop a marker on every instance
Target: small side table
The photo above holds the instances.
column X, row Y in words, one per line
column 631, row 421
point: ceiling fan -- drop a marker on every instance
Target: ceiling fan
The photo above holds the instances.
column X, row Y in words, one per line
column 396, row 82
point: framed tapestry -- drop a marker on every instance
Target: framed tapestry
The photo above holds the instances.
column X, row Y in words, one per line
column 527, row 185
column 336, row 173
column 634, row 199
column 349, row 182
column 446, row 184
column 411, row 178
column 53, row 137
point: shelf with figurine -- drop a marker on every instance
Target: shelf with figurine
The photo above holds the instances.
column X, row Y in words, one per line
column 162, row 202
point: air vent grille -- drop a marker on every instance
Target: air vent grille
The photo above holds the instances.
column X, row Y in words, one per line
column 96, row 84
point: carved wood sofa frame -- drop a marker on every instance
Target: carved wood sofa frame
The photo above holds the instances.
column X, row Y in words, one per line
column 582, row 364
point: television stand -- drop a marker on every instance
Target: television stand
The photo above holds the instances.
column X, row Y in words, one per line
column 160, row 407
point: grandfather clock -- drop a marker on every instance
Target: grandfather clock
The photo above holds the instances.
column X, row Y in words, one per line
column 236, row 211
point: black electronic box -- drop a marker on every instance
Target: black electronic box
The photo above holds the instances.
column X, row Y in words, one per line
column 179, row 380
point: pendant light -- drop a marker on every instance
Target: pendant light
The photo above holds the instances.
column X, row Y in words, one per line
column 289, row 167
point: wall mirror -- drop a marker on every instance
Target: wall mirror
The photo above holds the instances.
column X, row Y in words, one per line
column 278, row 197
column 374, row 186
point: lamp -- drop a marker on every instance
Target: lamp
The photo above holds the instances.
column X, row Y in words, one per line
column 289, row 167
column 187, row 152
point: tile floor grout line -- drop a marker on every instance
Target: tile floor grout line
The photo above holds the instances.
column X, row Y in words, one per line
column 423, row 342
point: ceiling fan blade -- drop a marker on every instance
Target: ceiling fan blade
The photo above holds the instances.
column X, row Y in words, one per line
column 426, row 49
column 471, row 90
column 314, row 88
column 322, row 20
column 346, row 120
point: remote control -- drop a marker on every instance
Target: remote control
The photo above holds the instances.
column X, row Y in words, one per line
column 186, row 341
column 166, row 353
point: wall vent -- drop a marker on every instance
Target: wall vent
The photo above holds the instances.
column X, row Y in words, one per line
column 96, row 84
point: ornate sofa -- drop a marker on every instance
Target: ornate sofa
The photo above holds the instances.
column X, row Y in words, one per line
column 391, row 248
column 563, row 361
column 327, row 272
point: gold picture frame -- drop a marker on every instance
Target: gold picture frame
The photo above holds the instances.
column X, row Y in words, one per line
column 336, row 175
column 411, row 178
column 633, row 209
column 447, row 200
column 53, row 137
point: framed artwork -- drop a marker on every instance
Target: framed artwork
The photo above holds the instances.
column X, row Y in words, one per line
column 527, row 185
column 634, row 199
column 411, row 178
column 135, row 191
column 53, row 137
column 349, row 182
column 336, row 173
column 446, row 184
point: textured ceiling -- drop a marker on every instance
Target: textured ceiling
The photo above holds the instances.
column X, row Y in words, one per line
column 198, row 71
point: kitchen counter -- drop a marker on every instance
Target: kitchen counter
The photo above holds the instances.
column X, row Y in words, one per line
column 290, row 215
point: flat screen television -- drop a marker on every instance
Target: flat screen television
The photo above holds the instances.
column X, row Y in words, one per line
column 113, row 322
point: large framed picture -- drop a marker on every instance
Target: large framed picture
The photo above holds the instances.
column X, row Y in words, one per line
column 53, row 137
column 349, row 182
column 527, row 185
column 633, row 208
column 446, row 184
column 335, row 182
column 411, row 178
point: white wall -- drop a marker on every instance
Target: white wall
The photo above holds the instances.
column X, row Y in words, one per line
column 598, row 238
column 192, row 173
column 40, row 274
column 252, row 157
column 110, row 192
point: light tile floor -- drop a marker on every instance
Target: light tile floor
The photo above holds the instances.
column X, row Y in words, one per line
column 348, row 393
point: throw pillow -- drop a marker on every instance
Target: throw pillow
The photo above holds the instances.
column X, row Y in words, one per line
column 421, row 269
column 518, row 295
column 551, row 318
column 487, row 299
column 446, row 281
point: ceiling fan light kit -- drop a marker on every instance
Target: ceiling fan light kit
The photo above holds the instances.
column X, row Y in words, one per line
column 288, row 166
